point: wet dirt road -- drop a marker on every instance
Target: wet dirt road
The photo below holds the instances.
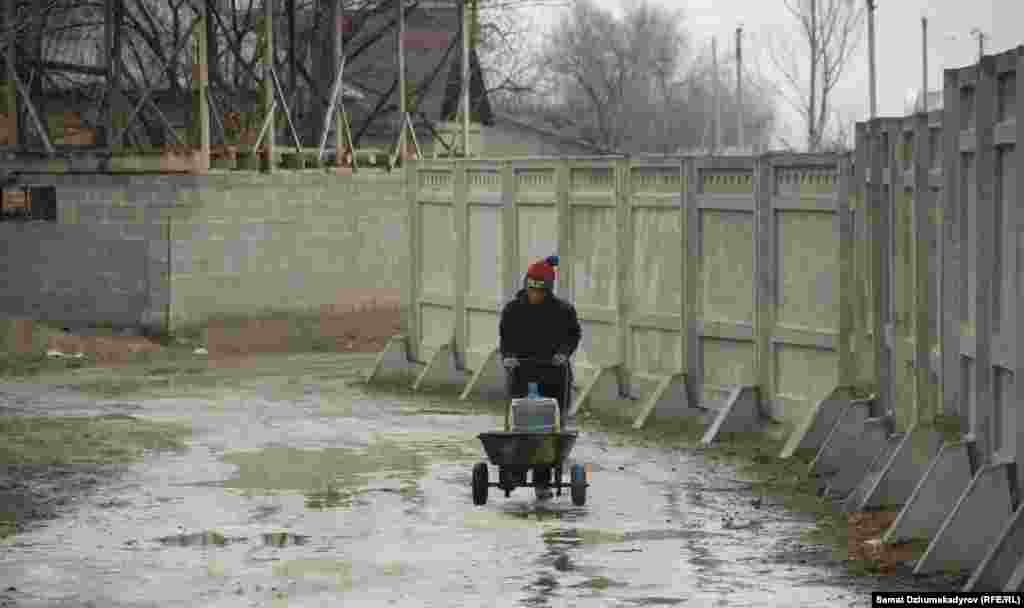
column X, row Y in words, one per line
column 300, row 489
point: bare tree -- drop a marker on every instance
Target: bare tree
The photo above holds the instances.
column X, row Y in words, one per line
column 828, row 32
column 631, row 84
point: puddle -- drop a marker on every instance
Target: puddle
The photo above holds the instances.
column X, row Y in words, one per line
column 599, row 583
column 284, row 539
column 334, row 572
column 657, row 601
column 200, row 539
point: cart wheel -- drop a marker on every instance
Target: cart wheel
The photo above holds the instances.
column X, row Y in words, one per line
column 480, row 483
column 578, row 488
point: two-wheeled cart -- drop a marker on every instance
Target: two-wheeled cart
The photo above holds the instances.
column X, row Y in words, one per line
column 534, row 442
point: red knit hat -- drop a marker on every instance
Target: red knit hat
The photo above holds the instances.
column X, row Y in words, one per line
column 541, row 273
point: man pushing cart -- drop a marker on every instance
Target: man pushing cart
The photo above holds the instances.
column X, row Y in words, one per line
column 539, row 332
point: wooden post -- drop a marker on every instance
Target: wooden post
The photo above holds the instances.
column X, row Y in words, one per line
column 338, row 38
column 465, row 77
column 268, row 83
column 402, row 109
column 9, row 104
column 293, row 65
column 201, row 85
column 952, row 249
column 109, row 63
column 982, row 421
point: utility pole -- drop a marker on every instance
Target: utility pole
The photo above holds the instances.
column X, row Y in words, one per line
column 717, row 97
column 981, row 41
column 871, row 59
column 924, row 64
column 740, row 113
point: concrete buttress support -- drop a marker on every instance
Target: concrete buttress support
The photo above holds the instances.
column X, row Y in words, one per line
column 973, row 525
column 934, row 496
column 489, row 380
column 741, row 414
column 856, row 498
column 857, row 457
column 669, row 400
column 605, row 394
column 1004, row 557
column 815, row 428
column 894, row 481
column 441, row 370
column 394, row 360
column 845, row 432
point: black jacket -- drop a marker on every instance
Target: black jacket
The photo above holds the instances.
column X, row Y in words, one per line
column 538, row 330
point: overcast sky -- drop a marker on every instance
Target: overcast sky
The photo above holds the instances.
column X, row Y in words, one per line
column 898, row 31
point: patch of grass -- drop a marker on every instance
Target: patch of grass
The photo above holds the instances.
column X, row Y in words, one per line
column 21, row 366
column 951, row 427
column 8, row 524
column 84, row 439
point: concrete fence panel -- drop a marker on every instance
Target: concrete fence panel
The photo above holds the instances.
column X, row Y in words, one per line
column 483, row 260
column 656, row 308
column 435, row 248
column 595, row 256
column 807, row 232
column 722, row 334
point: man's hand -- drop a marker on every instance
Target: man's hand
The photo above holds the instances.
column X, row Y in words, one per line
column 510, row 362
column 560, row 359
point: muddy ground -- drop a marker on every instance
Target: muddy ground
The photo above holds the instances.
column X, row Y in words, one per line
column 297, row 486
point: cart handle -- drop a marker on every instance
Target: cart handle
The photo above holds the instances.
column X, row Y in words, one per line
column 547, row 362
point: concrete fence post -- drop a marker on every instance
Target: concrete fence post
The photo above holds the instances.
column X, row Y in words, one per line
column 693, row 253
column 624, row 269
column 982, row 419
column 460, row 265
column 563, row 182
column 863, row 316
column 924, row 395
column 1016, row 418
column 879, row 262
column 411, row 309
column 848, row 293
column 509, row 232
column 953, row 249
column 765, row 273
column 687, row 277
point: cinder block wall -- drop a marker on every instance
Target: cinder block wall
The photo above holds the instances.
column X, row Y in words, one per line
column 292, row 241
column 104, row 260
column 143, row 249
